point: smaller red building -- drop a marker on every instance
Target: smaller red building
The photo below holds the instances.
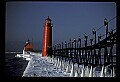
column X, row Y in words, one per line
column 28, row 46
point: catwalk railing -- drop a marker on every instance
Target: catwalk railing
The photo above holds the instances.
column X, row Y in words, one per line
column 93, row 53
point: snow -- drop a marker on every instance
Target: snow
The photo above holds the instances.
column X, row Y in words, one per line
column 25, row 56
column 39, row 66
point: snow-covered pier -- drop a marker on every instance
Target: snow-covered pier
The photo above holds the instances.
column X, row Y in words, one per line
column 40, row 66
column 82, row 57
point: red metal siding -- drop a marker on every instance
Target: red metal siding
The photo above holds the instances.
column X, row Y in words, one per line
column 29, row 47
column 46, row 41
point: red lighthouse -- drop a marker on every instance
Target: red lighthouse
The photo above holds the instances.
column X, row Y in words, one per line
column 47, row 37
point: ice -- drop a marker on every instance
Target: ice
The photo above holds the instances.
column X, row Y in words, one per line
column 13, row 52
column 39, row 66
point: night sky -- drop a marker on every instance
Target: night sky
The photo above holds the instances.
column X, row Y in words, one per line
column 24, row 20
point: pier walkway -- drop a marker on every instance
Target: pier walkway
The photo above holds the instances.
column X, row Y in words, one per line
column 43, row 67
column 40, row 66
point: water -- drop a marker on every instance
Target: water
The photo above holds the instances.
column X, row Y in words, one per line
column 14, row 67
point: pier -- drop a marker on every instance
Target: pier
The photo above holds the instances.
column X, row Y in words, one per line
column 95, row 52
column 82, row 57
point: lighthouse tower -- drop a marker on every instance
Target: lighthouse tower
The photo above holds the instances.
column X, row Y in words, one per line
column 47, row 37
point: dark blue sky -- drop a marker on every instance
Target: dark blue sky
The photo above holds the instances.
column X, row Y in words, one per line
column 24, row 20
